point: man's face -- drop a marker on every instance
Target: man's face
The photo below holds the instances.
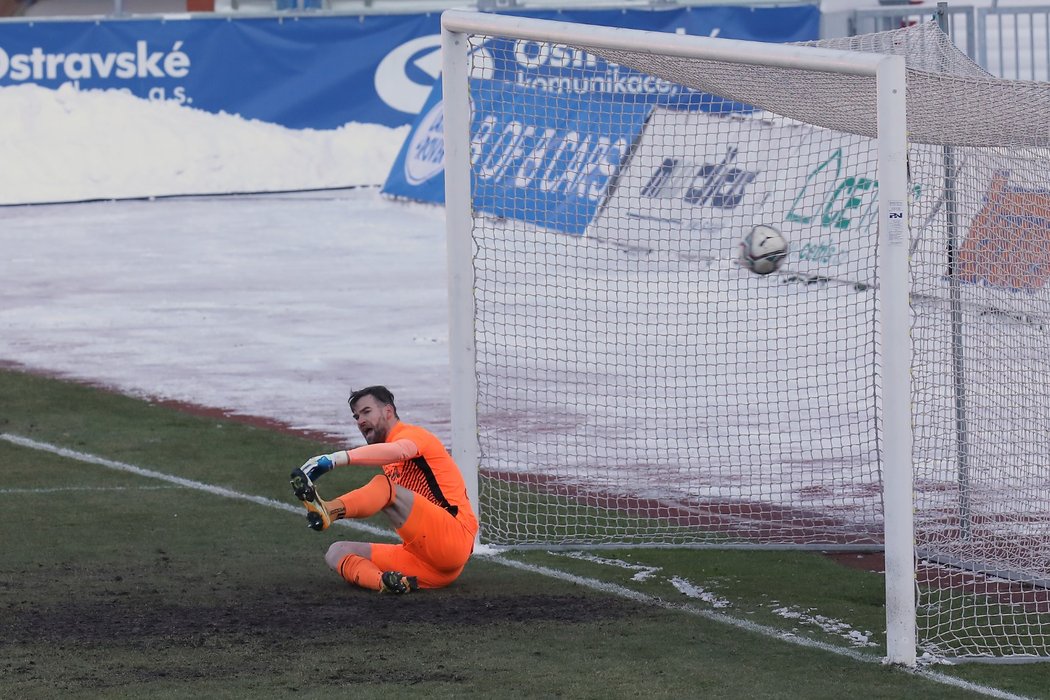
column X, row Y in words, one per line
column 373, row 419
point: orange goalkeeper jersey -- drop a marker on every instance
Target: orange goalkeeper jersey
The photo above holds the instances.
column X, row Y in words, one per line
column 431, row 473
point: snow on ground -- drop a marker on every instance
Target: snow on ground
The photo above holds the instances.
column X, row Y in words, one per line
column 273, row 306
column 268, row 306
column 73, row 145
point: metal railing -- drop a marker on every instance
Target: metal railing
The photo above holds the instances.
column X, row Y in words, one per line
column 372, row 7
column 1009, row 42
column 960, row 22
column 1015, row 42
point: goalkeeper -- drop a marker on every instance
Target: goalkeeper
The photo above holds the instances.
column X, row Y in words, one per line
column 420, row 490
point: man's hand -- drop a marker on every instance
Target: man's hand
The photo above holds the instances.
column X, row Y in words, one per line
column 302, row 479
column 313, row 469
column 316, row 467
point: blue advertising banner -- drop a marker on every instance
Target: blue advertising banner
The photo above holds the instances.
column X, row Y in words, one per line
column 320, row 72
column 551, row 167
column 562, row 69
column 419, row 170
column 314, row 72
column 544, row 67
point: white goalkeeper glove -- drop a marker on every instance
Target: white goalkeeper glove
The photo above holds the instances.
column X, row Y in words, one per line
column 302, row 478
column 320, row 465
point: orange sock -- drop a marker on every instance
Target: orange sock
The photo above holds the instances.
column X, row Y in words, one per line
column 368, row 500
column 360, row 572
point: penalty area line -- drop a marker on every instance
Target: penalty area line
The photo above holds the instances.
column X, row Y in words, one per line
column 494, row 555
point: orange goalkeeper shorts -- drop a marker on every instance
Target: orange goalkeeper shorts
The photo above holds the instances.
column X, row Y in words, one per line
column 435, row 546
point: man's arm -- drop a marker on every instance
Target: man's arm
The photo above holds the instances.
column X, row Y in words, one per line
column 366, row 456
column 382, row 453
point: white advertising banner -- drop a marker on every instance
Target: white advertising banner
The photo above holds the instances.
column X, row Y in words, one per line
column 696, row 183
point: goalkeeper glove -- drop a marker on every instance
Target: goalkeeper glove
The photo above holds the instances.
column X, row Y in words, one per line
column 315, row 467
column 303, row 478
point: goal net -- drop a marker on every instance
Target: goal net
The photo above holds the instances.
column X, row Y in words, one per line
column 629, row 383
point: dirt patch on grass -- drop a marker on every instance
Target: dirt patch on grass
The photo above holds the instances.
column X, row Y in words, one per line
column 283, row 617
column 281, row 638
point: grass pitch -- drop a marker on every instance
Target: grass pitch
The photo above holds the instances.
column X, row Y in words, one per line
column 118, row 584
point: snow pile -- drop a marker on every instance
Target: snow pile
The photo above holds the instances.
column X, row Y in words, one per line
column 72, row 145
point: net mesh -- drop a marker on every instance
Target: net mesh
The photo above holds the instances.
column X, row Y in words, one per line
column 637, row 385
column 949, row 97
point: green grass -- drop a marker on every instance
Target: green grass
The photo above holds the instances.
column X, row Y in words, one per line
column 117, row 585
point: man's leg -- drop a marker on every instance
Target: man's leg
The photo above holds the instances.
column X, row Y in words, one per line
column 376, row 495
column 339, row 550
column 436, row 545
column 400, row 506
column 396, row 557
column 353, row 562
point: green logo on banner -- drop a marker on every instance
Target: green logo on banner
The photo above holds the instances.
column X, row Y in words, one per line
column 841, row 206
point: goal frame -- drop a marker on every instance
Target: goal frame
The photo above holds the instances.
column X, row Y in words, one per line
column 888, row 73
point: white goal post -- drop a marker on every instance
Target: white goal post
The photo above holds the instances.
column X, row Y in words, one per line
column 465, row 52
column 619, row 380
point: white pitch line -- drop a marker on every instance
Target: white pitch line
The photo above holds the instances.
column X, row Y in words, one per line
column 594, row 584
column 763, row 630
column 59, row 489
column 178, row 480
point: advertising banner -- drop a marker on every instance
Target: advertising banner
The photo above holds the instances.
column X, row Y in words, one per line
column 419, row 171
column 1008, row 241
column 560, row 70
column 313, row 72
column 549, row 167
column 317, row 72
column 699, row 197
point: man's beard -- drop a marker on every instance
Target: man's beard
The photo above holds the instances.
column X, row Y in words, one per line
column 378, row 435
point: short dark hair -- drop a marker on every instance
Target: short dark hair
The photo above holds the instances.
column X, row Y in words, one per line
column 379, row 393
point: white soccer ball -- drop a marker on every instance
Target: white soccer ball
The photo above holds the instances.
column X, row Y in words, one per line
column 763, row 250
